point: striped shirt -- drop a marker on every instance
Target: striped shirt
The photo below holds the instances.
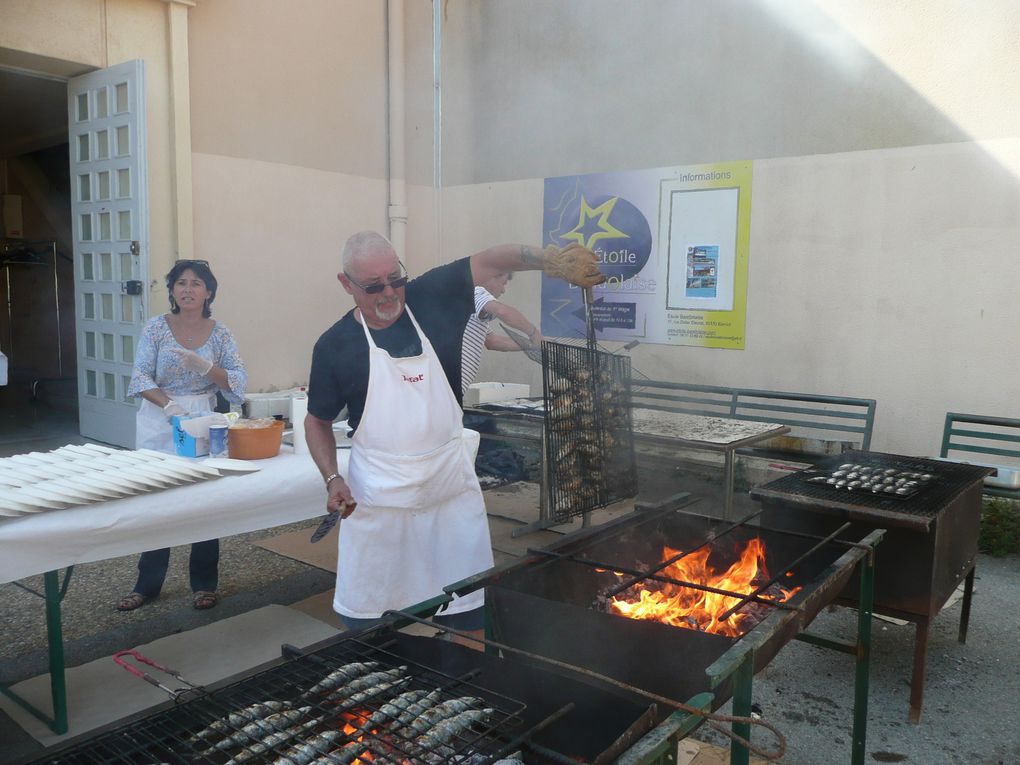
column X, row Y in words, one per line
column 474, row 338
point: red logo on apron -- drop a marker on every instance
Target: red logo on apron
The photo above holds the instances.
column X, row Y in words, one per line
column 416, row 378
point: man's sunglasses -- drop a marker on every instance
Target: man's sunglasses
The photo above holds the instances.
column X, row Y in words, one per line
column 375, row 289
column 188, row 261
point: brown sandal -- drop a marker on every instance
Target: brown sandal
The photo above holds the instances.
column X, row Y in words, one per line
column 132, row 601
column 204, row 600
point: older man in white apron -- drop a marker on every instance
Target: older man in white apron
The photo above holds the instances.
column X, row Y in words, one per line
column 415, row 514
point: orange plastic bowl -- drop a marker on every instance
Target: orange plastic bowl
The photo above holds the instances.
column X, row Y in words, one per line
column 255, row 443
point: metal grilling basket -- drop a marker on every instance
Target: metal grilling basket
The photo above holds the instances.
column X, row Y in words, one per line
column 588, row 431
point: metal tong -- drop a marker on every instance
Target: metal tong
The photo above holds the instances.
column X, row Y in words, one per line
column 175, row 693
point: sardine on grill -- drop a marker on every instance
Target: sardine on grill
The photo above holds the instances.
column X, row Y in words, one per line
column 226, row 725
column 256, row 729
column 446, row 730
column 267, row 743
column 306, row 751
column 432, row 717
column 342, row 675
column 362, row 696
column 366, row 681
column 391, row 710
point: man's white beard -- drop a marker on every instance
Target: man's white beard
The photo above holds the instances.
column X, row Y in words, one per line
column 390, row 313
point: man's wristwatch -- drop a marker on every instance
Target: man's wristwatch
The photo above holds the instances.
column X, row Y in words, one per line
column 330, row 477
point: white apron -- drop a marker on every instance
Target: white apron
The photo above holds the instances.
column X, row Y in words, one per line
column 420, row 523
column 153, row 431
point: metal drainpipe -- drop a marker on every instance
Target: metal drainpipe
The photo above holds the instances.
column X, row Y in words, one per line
column 397, row 210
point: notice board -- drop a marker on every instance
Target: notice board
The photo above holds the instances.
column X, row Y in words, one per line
column 673, row 243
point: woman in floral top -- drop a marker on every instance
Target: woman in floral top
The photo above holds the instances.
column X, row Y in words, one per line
column 182, row 359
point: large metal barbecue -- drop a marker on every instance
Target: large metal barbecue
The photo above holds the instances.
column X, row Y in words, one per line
column 553, row 604
column 930, row 545
column 532, row 714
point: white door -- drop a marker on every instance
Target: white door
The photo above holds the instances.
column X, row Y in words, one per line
column 110, row 223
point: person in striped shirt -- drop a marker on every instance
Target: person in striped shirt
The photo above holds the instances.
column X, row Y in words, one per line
column 479, row 334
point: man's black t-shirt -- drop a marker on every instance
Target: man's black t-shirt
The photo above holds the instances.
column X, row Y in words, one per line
column 442, row 300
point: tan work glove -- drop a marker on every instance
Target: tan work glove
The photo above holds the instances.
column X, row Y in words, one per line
column 574, row 263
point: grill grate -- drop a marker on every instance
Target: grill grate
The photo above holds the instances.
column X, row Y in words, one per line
column 169, row 736
column 588, row 429
column 947, row 480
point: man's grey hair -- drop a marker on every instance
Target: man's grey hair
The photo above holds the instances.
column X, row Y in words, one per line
column 363, row 244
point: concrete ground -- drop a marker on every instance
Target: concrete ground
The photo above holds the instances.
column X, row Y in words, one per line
column 972, row 690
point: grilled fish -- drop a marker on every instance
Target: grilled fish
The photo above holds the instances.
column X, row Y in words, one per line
column 446, row 730
column 430, row 718
column 342, row 675
column 416, row 708
column 366, row 681
column 256, row 729
column 237, row 719
column 345, row 755
column 389, row 711
column 266, row 743
column 372, row 692
column 306, row 751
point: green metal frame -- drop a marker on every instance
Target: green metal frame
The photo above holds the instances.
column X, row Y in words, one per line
column 982, row 435
column 53, row 595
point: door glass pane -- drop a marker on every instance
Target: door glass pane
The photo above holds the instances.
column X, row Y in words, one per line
column 102, row 104
column 86, row 266
column 123, row 184
column 104, row 227
column 109, row 386
column 106, row 266
column 84, row 188
column 86, row 227
column 108, row 347
column 127, row 307
column 104, row 184
column 123, row 142
column 82, row 111
column 88, row 305
column 120, row 98
column 107, row 310
column 124, row 224
column 83, row 148
column 90, row 382
column 103, row 144
column 126, row 272
column 127, row 349
column 90, row 345
column 125, row 383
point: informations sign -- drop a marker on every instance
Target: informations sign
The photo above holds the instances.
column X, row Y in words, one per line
column 673, row 243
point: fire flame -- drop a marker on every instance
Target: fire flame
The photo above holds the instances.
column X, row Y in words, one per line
column 697, row 609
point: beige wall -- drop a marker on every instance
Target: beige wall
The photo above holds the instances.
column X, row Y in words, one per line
column 289, row 135
column 883, row 138
column 885, row 202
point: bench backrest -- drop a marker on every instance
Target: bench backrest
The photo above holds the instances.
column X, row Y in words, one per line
column 807, row 414
column 977, row 434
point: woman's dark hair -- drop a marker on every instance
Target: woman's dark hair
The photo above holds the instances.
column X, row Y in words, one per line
column 201, row 269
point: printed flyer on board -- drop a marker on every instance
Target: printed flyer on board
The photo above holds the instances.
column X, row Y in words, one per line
column 673, row 243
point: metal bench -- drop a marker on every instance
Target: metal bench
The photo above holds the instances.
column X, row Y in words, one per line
column 975, row 434
column 819, row 425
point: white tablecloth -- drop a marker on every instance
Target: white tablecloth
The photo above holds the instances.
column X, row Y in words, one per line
column 288, row 488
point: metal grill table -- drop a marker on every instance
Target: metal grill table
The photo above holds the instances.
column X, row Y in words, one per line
column 930, row 546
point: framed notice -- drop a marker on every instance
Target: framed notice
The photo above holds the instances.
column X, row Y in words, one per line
column 673, row 243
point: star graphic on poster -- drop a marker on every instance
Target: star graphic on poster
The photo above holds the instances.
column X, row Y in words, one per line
column 593, row 224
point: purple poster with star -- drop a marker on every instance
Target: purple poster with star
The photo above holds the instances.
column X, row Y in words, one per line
column 647, row 244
